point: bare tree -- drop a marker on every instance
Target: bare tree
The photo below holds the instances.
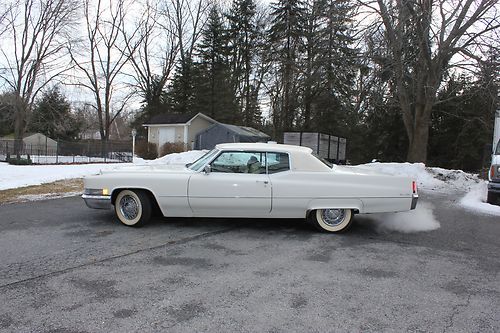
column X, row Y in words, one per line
column 38, row 32
column 154, row 59
column 4, row 12
column 101, row 58
column 422, row 38
column 189, row 18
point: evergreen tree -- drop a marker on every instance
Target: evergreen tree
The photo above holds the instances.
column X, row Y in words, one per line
column 380, row 134
column 311, row 65
column 7, row 113
column 243, row 35
column 214, row 95
column 286, row 33
column 52, row 116
column 338, row 63
column 461, row 124
column 181, row 93
column 154, row 103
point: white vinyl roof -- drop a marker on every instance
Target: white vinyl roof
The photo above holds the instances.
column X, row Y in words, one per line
column 301, row 158
column 263, row 147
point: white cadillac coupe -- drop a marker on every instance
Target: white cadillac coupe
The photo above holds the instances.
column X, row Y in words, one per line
column 251, row 180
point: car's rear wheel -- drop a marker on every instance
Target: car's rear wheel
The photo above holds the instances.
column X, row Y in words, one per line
column 133, row 208
column 332, row 219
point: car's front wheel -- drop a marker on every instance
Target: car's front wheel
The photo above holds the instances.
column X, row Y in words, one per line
column 133, row 208
column 332, row 219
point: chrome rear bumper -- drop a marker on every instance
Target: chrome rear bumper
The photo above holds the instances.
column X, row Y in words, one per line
column 414, row 200
column 97, row 201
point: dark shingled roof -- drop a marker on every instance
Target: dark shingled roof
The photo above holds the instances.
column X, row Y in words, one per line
column 245, row 131
column 170, row 118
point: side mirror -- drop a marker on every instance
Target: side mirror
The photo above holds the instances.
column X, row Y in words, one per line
column 207, row 169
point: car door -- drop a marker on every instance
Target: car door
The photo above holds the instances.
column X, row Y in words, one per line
column 236, row 186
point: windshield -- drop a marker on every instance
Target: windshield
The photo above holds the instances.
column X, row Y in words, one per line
column 199, row 163
column 497, row 152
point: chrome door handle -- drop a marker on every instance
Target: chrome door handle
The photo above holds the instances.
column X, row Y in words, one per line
column 262, row 181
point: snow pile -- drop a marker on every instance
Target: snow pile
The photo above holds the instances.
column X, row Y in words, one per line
column 428, row 178
column 420, row 219
column 175, row 158
column 443, row 180
column 475, row 200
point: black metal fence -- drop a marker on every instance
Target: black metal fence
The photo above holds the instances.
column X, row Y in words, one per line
column 63, row 152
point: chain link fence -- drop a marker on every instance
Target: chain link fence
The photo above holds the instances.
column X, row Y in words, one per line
column 63, row 152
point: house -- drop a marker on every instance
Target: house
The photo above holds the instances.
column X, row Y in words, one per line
column 34, row 143
column 177, row 128
column 223, row 133
column 119, row 131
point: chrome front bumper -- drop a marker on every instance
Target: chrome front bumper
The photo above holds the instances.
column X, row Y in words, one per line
column 97, row 201
column 414, row 200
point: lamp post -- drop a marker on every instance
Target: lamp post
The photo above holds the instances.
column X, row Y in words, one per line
column 134, row 133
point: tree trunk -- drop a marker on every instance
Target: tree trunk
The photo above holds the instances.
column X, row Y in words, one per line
column 307, row 107
column 417, row 148
column 418, row 141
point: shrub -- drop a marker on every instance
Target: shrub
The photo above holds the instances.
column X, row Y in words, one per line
column 19, row 161
column 171, row 147
column 146, row 150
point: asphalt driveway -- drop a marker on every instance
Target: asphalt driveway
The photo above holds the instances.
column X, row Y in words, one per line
column 66, row 268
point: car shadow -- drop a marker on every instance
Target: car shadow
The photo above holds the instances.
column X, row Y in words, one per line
column 359, row 226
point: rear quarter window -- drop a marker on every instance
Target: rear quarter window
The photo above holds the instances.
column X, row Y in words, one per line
column 277, row 162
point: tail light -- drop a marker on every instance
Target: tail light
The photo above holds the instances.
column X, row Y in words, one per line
column 414, row 187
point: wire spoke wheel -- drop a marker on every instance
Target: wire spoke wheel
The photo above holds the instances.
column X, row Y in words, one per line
column 133, row 207
column 331, row 219
column 129, row 207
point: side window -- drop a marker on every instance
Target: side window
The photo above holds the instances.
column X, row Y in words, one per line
column 277, row 162
column 240, row 162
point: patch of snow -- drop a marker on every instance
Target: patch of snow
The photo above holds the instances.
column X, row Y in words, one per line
column 420, row 219
column 175, row 158
column 475, row 200
column 14, row 176
column 45, row 196
column 428, row 178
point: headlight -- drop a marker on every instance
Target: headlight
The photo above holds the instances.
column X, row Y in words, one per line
column 92, row 191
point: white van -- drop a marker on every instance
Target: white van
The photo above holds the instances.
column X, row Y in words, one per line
column 494, row 174
column 494, row 177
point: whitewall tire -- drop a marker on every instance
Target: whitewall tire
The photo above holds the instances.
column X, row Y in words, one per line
column 133, row 208
column 332, row 220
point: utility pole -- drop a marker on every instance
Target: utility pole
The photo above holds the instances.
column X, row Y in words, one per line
column 134, row 133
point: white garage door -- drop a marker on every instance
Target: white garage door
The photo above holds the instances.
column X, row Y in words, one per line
column 166, row 135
